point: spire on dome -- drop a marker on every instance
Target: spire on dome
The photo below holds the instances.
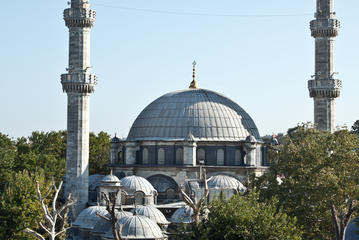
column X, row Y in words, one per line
column 194, row 83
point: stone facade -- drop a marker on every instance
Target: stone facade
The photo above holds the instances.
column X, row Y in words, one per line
column 324, row 88
column 78, row 83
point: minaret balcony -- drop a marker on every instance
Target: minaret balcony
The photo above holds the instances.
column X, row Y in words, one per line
column 78, row 82
column 325, row 27
column 79, row 17
column 324, row 88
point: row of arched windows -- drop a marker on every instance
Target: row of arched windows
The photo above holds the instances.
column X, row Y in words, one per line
column 201, row 156
column 161, row 156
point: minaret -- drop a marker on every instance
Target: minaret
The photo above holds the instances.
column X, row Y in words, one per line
column 324, row 88
column 78, row 83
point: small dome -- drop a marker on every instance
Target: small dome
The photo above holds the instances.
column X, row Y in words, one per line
column 132, row 184
column 110, row 178
column 115, row 140
column 87, row 218
column 95, row 181
column 182, row 215
column 137, row 227
column 208, row 115
column 152, row 213
column 102, row 226
column 225, row 182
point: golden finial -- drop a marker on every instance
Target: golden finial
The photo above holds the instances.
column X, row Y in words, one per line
column 194, row 83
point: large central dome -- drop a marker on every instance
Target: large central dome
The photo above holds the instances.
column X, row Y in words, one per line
column 207, row 115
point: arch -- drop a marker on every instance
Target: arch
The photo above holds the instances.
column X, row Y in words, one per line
column 179, row 156
column 139, row 198
column 145, row 156
column 237, row 157
column 220, row 157
column 123, row 197
column 161, row 156
column 163, row 184
column 120, row 158
column 201, row 155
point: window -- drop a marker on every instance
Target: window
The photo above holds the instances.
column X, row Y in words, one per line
column 201, row 155
column 237, row 157
column 145, row 156
column 220, row 157
column 139, row 198
column 161, row 156
column 120, row 160
column 179, row 156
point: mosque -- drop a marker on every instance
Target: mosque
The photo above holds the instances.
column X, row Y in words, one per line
column 171, row 141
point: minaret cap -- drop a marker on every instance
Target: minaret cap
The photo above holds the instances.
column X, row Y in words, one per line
column 194, row 83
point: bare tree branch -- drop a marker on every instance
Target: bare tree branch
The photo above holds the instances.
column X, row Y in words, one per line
column 34, row 233
column 50, row 219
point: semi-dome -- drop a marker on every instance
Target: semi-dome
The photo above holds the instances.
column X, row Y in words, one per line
column 132, row 184
column 225, row 182
column 152, row 213
column 207, row 115
column 137, row 227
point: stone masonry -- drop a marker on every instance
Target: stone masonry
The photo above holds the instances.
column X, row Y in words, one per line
column 324, row 88
column 78, row 83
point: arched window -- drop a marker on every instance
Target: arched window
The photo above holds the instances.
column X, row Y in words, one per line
column 201, row 155
column 220, row 157
column 179, row 156
column 237, row 157
column 145, row 156
column 161, row 156
column 123, row 197
column 139, row 198
column 120, row 159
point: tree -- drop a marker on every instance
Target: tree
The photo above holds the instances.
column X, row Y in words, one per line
column 112, row 218
column 51, row 215
column 99, row 153
column 319, row 174
column 19, row 207
column 244, row 217
column 197, row 207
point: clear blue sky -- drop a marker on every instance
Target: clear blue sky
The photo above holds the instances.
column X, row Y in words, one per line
column 261, row 62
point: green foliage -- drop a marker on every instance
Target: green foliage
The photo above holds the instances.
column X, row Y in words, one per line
column 244, row 217
column 19, row 207
column 40, row 156
column 99, row 153
column 317, row 169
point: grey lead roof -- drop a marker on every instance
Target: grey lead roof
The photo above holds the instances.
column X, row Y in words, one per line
column 225, row 182
column 137, row 227
column 208, row 115
column 132, row 184
column 152, row 213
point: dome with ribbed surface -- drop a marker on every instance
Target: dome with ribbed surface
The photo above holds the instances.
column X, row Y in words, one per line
column 137, row 227
column 102, row 226
column 88, row 218
column 132, row 184
column 182, row 215
column 152, row 213
column 207, row 115
column 225, row 182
